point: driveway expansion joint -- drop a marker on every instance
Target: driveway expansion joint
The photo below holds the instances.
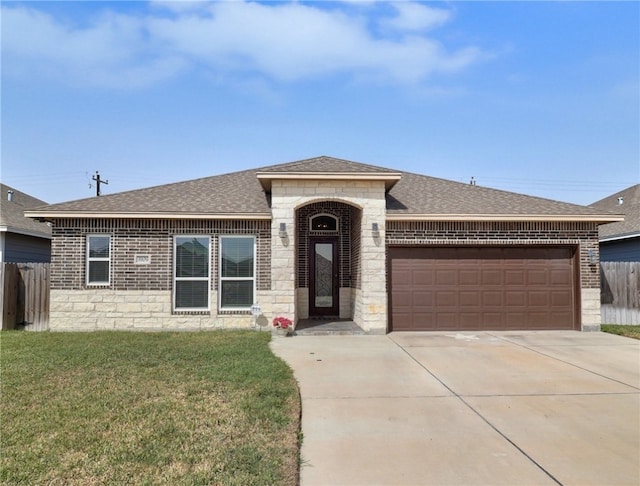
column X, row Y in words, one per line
column 482, row 417
column 529, row 348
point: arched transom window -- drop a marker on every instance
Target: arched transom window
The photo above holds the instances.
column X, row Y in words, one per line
column 324, row 222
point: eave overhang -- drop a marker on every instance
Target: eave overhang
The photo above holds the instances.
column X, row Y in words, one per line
column 389, row 178
column 24, row 232
column 600, row 219
column 619, row 237
column 52, row 215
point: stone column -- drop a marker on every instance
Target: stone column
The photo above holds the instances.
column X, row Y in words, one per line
column 282, row 255
column 373, row 292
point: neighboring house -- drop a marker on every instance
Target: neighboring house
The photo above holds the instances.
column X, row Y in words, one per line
column 22, row 240
column 620, row 241
column 324, row 237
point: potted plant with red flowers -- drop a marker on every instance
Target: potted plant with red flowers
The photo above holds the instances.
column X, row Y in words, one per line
column 283, row 326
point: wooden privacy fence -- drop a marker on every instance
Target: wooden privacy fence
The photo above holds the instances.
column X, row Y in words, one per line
column 24, row 299
column 620, row 292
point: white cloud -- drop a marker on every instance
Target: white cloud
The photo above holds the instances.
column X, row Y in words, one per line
column 111, row 52
column 284, row 42
column 417, row 17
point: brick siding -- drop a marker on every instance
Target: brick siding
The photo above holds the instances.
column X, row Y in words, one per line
column 346, row 230
column 131, row 237
column 581, row 235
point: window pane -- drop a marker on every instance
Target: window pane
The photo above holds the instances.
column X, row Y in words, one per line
column 324, row 275
column 192, row 295
column 98, row 272
column 236, row 293
column 98, row 247
column 192, row 257
column 323, row 223
column 237, row 257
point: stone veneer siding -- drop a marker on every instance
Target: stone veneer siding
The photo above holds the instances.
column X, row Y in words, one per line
column 141, row 295
column 581, row 235
column 368, row 306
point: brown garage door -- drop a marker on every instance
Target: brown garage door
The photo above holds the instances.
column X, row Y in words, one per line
column 482, row 288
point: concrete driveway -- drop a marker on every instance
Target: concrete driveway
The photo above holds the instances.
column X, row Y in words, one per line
column 486, row 408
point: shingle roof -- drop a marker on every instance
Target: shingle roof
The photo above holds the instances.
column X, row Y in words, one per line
column 234, row 193
column 630, row 207
column 327, row 164
column 419, row 194
column 12, row 217
column 240, row 194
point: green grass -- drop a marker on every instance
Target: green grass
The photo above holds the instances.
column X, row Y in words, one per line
column 146, row 408
column 628, row 331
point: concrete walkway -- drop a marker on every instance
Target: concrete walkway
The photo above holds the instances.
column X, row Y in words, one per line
column 487, row 408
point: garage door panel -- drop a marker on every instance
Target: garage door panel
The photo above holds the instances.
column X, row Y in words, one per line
column 446, row 277
column 492, row 277
column 537, row 277
column 401, row 276
column 402, row 299
column 474, row 288
column 492, row 320
column 446, row 298
column 561, row 298
column 446, row 320
column 492, row 298
column 422, row 277
column 518, row 318
column 560, row 277
column 538, row 299
column 469, row 320
column 468, row 277
column 469, row 298
column 422, row 298
column 515, row 298
column 514, row 277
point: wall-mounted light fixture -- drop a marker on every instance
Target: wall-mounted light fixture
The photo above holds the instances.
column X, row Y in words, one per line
column 283, row 230
column 374, row 227
column 593, row 259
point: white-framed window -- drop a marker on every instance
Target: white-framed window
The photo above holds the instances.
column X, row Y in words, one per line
column 98, row 268
column 237, row 287
column 191, row 272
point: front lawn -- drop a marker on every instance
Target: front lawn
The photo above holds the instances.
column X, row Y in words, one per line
column 146, row 408
column 628, row 331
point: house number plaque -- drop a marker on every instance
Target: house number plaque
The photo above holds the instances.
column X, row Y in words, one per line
column 142, row 259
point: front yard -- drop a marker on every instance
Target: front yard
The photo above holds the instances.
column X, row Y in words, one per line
column 146, row 408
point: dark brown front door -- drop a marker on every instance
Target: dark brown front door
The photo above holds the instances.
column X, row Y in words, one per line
column 323, row 277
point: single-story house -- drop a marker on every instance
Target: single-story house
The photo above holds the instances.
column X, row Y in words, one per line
column 22, row 240
column 620, row 241
column 324, row 237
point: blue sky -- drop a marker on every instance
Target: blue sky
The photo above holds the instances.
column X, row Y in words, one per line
column 540, row 98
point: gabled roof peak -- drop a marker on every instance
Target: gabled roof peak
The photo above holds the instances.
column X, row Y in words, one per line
column 327, row 168
column 326, row 164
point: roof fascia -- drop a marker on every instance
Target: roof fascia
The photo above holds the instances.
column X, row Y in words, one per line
column 389, row 178
column 49, row 215
column 19, row 231
column 504, row 217
column 619, row 237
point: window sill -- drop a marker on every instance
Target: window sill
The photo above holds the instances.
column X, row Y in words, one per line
column 178, row 312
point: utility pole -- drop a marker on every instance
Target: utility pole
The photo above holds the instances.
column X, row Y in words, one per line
column 98, row 182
